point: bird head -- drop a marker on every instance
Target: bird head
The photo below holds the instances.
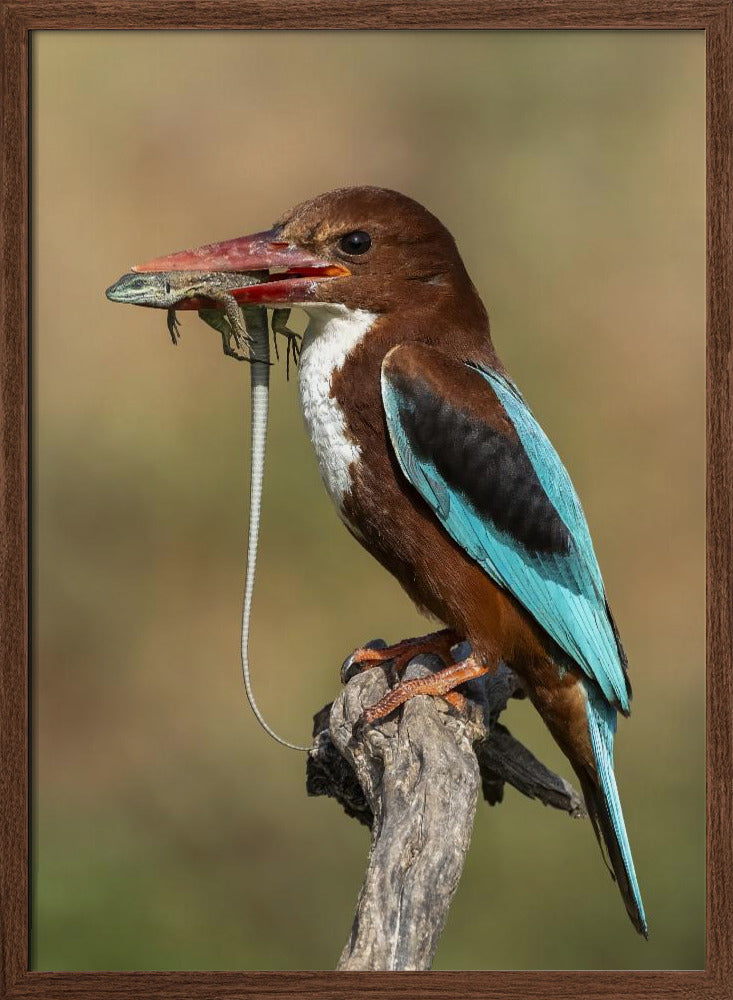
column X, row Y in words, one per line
column 360, row 247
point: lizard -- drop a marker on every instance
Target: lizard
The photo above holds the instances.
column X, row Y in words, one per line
column 211, row 295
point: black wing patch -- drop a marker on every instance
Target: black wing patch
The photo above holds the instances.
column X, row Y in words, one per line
column 492, row 471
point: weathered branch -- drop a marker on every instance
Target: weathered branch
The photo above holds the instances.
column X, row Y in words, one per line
column 414, row 781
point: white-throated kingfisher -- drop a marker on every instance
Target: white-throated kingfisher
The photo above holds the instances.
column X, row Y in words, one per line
column 439, row 469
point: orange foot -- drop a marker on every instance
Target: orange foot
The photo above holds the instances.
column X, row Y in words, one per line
column 440, row 683
column 438, row 643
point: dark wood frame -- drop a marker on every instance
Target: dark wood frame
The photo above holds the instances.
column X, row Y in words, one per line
column 21, row 17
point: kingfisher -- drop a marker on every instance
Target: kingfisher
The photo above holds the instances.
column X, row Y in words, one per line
column 438, row 468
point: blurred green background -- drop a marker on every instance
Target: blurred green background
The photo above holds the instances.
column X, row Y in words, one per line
column 169, row 831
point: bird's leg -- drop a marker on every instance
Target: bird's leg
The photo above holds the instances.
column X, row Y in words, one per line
column 436, row 643
column 440, row 683
column 280, row 325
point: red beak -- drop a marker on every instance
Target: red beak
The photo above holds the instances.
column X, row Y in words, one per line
column 297, row 271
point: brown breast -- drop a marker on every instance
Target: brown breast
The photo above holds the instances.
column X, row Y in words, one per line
column 390, row 519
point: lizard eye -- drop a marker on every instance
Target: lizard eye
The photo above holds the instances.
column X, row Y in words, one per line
column 167, row 287
column 355, row 243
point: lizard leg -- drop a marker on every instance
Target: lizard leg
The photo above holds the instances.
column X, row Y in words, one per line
column 221, row 324
column 233, row 313
column 280, row 325
column 173, row 325
column 236, row 321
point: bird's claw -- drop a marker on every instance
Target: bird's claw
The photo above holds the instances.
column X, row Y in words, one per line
column 396, row 657
column 355, row 664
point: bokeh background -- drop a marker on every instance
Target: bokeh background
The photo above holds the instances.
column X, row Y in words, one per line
column 169, row 832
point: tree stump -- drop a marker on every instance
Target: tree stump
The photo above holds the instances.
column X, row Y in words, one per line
column 414, row 780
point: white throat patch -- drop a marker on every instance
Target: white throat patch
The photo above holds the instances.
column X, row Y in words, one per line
column 333, row 331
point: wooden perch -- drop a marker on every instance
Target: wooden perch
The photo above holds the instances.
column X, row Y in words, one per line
column 414, row 780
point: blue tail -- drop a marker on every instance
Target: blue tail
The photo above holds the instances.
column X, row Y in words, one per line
column 604, row 805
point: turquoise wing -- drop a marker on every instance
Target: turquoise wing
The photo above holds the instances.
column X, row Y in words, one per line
column 506, row 498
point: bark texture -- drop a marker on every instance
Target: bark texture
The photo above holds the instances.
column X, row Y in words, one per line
column 414, row 780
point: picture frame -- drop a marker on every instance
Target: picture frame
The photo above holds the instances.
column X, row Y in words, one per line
column 19, row 19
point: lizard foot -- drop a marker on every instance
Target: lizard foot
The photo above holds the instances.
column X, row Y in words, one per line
column 173, row 325
column 280, row 325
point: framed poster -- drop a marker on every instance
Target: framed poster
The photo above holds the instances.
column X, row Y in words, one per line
column 148, row 825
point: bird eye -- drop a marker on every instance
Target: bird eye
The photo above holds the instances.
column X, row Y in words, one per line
column 356, row 242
